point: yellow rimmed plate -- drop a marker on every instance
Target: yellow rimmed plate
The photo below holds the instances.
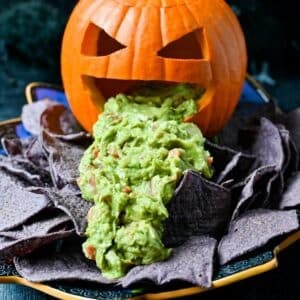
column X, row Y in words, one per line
column 228, row 274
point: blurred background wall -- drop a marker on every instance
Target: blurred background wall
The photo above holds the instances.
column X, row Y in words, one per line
column 31, row 32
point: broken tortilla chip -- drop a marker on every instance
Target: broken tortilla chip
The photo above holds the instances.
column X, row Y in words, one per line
column 198, row 207
column 65, row 264
column 268, row 148
column 17, row 204
column 254, row 192
column 255, row 229
column 64, row 159
column 59, row 122
column 228, row 163
column 191, row 262
column 71, row 203
column 31, row 115
column 28, row 237
column 291, row 197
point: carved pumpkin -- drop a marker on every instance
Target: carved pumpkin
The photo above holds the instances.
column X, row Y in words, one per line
column 111, row 46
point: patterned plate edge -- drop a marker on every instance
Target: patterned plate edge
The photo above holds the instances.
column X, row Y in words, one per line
column 268, row 266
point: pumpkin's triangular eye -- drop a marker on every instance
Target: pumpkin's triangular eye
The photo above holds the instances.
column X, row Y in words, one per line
column 107, row 44
column 187, row 47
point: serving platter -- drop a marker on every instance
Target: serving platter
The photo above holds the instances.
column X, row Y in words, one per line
column 264, row 261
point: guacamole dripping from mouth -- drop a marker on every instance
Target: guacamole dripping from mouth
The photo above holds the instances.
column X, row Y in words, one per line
column 141, row 148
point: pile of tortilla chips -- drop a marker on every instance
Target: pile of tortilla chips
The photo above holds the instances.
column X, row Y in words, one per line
column 250, row 202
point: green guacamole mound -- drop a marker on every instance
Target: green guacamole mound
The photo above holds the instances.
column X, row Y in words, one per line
column 141, row 149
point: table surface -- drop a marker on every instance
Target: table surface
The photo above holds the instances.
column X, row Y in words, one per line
column 282, row 283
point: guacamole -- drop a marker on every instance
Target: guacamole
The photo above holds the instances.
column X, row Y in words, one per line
column 141, row 149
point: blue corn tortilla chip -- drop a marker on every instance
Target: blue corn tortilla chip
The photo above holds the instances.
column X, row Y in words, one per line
column 264, row 186
column 291, row 197
column 24, row 170
column 27, row 160
column 223, row 176
column 64, row 159
column 26, row 149
column 12, row 167
column 59, row 122
column 68, row 200
column 31, row 115
column 228, row 163
column 41, row 225
column 191, row 262
column 71, row 189
column 292, row 122
column 268, row 147
column 222, row 155
column 254, row 230
column 237, row 168
column 17, row 204
column 198, row 207
column 81, row 138
column 291, row 164
column 275, row 188
column 10, row 249
column 35, row 154
column 64, row 264
column 31, row 236
column 57, row 119
column 295, row 157
column 12, row 147
column 254, row 192
column 286, row 142
column 227, row 183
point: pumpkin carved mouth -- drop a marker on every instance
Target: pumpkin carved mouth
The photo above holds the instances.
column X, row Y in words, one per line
column 111, row 87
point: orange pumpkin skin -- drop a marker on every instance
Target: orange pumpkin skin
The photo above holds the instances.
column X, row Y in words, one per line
column 111, row 45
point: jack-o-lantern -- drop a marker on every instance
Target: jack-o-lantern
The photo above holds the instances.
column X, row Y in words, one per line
column 110, row 46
